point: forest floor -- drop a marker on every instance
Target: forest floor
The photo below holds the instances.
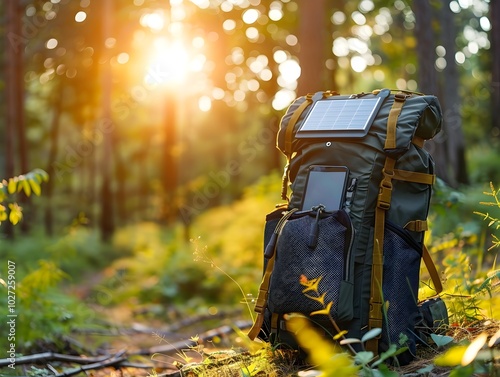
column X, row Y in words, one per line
column 140, row 349
column 130, row 348
column 132, row 344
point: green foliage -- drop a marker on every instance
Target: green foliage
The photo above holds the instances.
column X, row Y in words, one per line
column 158, row 268
column 469, row 261
column 27, row 183
column 48, row 303
column 493, row 222
column 233, row 235
column 44, row 313
column 220, row 264
column 482, row 162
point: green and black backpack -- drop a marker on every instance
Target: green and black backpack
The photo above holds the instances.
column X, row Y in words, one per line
column 355, row 260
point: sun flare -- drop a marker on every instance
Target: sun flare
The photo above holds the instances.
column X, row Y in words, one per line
column 169, row 62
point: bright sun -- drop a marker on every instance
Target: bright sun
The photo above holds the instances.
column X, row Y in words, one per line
column 169, row 62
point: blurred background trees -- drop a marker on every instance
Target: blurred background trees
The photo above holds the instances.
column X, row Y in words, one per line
column 154, row 110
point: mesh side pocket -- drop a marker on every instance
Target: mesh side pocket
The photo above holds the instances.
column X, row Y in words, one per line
column 301, row 270
column 402, row 257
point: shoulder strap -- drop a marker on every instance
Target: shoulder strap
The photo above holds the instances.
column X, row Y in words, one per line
column 383, row 204
column 289, row 132
column 293, row 121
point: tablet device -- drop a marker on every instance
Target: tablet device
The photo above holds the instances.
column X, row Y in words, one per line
column 325, row 185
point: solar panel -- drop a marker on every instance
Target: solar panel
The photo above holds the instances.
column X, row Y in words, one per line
column 340, row 118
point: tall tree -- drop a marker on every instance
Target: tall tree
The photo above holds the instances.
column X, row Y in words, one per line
column 427, row 77
column 451, row 101
column 51, row 163
column 495, row 65
column 312, row 34
column 106, row 223
column 21, row 124
column 14, row 90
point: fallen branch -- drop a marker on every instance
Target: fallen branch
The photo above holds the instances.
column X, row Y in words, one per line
column 119, row 359
column 52, row 356
column 115, row 361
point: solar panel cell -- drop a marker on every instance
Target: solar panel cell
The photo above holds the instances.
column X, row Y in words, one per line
column 340, row 118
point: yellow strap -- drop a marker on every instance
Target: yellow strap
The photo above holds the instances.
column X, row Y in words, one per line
column 392, row 121
column 383, row 204
column 261, row 303
column 431, row 268
column 293, row 121
column 411, row 176
column 417, row 226
column 284, row 181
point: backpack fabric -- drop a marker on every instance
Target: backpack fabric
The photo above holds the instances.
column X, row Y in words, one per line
column 358, row 266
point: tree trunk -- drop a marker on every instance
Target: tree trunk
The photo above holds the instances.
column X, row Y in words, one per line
column 13, row 55
column 121, row 183
column 495, row 66
column 427, row 78
column 450, row 100
column 312, row 34
column 53, row 150
column 106, row 223
column 170, row 170
column 170, row 173
column 24, row 200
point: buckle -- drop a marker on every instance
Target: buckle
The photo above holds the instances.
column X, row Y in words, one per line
column 384, row 198
column 400, row 97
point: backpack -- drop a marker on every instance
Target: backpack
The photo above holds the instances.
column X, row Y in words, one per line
column 356, row 267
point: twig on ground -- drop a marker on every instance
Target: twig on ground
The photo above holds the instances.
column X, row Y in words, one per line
column 52, row 356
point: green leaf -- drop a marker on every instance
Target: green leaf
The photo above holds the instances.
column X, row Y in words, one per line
column 41, row 175
column 364, row 357
column 35, row 186
column 441, row 340
column 372, row 334
column 26, row 187
column 467, row 371
column 16, row 213
column 3, row 213
column 451, row 358
column 12, row 186
column 391, row 351
column 426, row 370
column 386, row 372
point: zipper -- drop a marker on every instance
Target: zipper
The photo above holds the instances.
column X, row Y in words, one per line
column 349, row 195
column 347, row 262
